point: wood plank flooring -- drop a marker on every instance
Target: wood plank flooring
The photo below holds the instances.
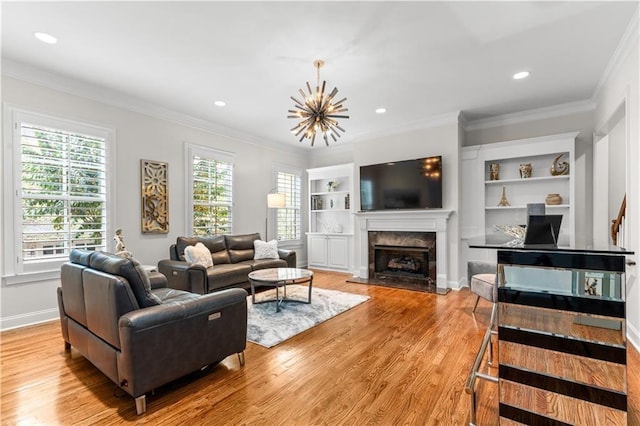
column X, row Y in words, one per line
column 400, row 358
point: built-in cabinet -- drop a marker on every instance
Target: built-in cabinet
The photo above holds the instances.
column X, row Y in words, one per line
column 330, row 235
column 500, row 179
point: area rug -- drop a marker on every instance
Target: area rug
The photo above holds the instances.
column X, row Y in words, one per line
column 267, row 328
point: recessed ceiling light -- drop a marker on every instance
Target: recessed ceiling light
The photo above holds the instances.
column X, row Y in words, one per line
column 46, row 38
column 381, row 110
column 220, row 103
column 520, row 75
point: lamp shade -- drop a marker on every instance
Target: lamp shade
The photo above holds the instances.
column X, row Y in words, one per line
column 276, row 201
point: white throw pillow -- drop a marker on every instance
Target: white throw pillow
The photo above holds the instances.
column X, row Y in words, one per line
column 199, row 254
column 265, row 250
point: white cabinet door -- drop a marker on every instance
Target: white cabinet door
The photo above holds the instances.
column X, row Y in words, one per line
column 338, row 248
column 317, row 250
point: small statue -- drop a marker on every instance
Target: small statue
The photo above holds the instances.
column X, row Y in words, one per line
column 503, row 201
column 559, row 168
column 121, row 250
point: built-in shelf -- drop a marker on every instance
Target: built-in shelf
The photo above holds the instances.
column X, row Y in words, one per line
column 346, row 234
column 557, row 206
column 480, row 211
column 330, row 234
column 331, row 193
column 330, row 210
column 526, row 180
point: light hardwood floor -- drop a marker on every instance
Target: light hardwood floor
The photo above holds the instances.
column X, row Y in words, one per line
column 400, row 358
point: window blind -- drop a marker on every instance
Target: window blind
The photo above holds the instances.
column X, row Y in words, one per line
column 288, row 220
column 63, row 192
column 212, row 196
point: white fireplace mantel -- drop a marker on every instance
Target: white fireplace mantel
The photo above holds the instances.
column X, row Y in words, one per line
column 409, row 221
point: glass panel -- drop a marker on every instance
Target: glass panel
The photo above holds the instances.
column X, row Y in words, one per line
column 575, row 325
column 579, row 369
column 581, row 283
column 559, row 407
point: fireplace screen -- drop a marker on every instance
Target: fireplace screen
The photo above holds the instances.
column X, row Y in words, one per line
column 400, row 261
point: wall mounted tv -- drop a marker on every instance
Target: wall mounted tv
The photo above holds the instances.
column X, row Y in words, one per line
column 409, row 184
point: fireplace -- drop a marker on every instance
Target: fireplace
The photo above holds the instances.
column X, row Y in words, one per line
column 407, row 259
column 401, row 263
column 420, row 228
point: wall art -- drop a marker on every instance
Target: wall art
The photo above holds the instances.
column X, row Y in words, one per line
column 155, row 197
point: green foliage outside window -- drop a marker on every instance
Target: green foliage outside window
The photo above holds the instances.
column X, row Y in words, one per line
column 212, row 197
column 63, row 192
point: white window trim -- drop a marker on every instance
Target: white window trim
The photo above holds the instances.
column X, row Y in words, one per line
column 14, row 272
column 216, row 154
column 285, row 168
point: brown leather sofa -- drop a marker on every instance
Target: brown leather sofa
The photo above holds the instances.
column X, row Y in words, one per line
column 137, row 331
column 232, row 257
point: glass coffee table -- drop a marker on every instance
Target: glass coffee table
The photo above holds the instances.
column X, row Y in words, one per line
column 279, row 278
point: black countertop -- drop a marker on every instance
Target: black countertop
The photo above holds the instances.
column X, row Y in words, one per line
column 500, row 241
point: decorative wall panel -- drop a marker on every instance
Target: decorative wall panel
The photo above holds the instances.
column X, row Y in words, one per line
column 155, row 197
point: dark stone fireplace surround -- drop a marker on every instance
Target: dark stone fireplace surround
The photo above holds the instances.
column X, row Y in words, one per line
column 428, row 220
column 418, row 246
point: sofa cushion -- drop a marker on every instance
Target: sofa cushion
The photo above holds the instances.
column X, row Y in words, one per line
column 241, row 246
column 221, row 276
column 132, row 271
column 265, row 249
column 198, row 254
column 268, row 263
column 216, row 245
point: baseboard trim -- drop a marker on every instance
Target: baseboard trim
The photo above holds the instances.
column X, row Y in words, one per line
column 633, row 336
column 31, row 318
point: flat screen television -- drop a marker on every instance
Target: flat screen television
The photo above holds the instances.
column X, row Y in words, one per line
column 409, row 184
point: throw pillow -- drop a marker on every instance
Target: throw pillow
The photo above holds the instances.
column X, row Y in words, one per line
column 265, row 249
column 199, row 254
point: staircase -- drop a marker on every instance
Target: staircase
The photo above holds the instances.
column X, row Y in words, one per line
column 617, row 225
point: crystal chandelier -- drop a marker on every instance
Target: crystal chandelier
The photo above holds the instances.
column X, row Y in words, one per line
column 318, row 112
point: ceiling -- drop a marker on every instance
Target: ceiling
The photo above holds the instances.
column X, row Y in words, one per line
column 419, row 60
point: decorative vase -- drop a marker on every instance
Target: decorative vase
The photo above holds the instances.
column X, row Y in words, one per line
column 494, row 171
column 525, row 170
column 559, row 168
column 553, row 199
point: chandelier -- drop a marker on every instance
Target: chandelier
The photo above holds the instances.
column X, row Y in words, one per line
column 318, row 112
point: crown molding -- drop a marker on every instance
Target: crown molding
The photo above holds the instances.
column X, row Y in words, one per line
column 425, row 123
column 531, row 115
column 41, row 77
column 624, row 48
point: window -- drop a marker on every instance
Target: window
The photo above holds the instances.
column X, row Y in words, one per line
column 61, row 182
column 210, row 191
column 288, row 220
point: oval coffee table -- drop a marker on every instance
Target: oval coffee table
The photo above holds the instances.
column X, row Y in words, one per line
column 279, row 278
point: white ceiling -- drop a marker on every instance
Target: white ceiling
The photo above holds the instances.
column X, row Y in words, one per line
column 417, row 59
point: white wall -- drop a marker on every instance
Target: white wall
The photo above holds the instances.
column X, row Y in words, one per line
column 439, row 140
column 617, row 168
column 140, row 136
column 621, row 86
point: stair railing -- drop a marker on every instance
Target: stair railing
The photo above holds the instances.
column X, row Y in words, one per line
column 617, row 224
